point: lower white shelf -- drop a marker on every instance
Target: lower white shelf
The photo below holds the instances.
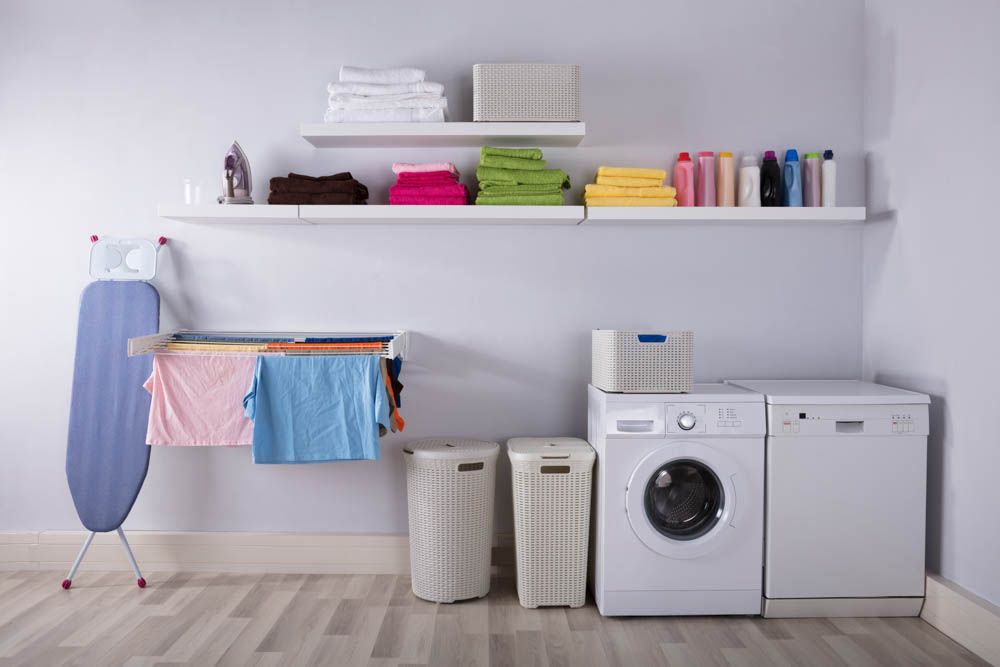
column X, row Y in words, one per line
column 232, row 214
column 444, row 215
column 681, row 215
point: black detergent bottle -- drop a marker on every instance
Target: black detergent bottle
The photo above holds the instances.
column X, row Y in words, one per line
column 770, row 180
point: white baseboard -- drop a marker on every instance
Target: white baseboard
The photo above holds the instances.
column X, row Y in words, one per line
column 163, row 551
column 969, row 620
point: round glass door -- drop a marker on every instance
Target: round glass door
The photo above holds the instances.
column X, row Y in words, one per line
column 684, row 499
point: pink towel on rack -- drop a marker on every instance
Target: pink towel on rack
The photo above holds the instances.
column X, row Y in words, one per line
column 406, row 167
column 198, row 399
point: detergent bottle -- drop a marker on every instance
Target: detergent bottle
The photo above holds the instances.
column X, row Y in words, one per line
column 829, row 187
column 749, row 182
column 792, row 179
column 770, row 180
column 705, row 193
column 684, row 180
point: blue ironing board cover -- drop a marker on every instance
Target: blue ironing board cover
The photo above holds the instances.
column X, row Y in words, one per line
column 106, row 451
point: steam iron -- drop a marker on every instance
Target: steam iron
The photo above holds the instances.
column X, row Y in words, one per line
column 237, row 183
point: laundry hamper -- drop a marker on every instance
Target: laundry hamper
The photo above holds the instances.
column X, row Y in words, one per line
column 551, row 485
column 450, row 486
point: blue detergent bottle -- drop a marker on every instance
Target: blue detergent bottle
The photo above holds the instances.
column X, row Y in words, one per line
column 792, row 180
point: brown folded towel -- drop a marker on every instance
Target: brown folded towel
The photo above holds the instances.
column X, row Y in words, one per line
column 323, row 198
column 281, row 184
column 342, row 176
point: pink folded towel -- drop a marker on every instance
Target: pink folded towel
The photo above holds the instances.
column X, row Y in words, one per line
column 425, row 177
column 451, row 190
column 426, row 200
column 406, row 167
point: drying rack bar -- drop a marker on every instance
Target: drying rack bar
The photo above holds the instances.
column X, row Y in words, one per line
column 390, row 344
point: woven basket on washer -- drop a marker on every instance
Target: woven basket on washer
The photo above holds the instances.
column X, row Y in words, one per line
column 525, row 92
column 450, row 491
column 551, row 487
column 642, row 361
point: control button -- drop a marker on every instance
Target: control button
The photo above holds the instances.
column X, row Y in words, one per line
column 787, row 427
column 795, row 427
column 686, row 421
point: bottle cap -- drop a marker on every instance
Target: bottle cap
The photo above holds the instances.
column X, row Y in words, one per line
column 748, row 161
column 725, row 153
column 684, row 157
column 791, row 155
column 706, row 154
column 769, row 155
column 828, row 154
column 812, row 156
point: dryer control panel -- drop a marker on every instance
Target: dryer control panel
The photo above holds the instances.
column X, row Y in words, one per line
column 847, row 420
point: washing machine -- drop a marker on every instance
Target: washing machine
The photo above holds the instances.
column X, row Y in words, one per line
column 678, row 501
column 846, row 498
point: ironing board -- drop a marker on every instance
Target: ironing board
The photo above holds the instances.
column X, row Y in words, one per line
column 106, row 453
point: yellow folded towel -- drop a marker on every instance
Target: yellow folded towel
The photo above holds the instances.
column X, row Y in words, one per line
column 632, row 172
column 595, row 190
column 629, row 181
column 630, row 201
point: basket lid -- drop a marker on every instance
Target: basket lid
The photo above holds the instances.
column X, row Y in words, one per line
column 452, row 448
column 545, row 449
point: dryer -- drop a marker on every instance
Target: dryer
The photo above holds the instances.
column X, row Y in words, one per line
column 678, row 501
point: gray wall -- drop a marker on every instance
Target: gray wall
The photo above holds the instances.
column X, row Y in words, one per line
column 930, row 263
column 106, row 107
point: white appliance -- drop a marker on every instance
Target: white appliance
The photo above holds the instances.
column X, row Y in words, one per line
column 845, row 498
column 678, row 501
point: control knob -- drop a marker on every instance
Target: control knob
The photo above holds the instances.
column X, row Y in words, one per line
column 686, row 421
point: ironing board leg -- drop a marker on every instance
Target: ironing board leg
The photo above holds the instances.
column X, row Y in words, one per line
column 131, row 559
column 68, row 581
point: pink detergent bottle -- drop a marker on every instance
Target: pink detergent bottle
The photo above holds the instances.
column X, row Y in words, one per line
column 705, row 194
column 684, row 180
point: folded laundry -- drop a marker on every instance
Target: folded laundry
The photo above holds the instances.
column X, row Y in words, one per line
column 351, row 74
column 519, row 176
column 406, row 167
column 196, row 399
column 506, row 188
column 525, row 199
column 301, row 198
column 439, row 187
column 630, row 181
column 451, row 190
column 631, row 201
column 283, row 185
column 309, row 409
column 632, row 172
column 295, row 188
column 402, row 101
column 526, row 153
column 592, row 190
column 426, row 177
column 427, row 200
column 397, row 115
column 373, row 89
column 505, row 162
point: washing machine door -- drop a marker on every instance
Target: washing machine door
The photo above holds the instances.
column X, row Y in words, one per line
column 681, row 500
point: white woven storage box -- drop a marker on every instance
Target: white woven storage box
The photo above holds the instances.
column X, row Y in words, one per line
column 525, row 92
column 642, row 361
column 450, row 486
column 551, row 486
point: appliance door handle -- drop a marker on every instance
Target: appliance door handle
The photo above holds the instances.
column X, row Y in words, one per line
column 635, row 425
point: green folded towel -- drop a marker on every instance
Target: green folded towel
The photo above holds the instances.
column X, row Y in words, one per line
column 520, row 200
column 504, row 162
column 524, row 153
column 519, row 176
column 495, row 188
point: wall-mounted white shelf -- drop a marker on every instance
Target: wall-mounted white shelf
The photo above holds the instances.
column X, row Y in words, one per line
column 216, row 214
column 234, row 214
column 625, row 215
column 417, row 135
column 446, row 215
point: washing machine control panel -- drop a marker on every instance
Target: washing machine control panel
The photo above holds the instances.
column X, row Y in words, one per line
column 714, row 418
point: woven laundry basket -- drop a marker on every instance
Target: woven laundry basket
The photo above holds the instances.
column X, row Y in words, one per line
column 551, row 486
column 450, row 486
column 642, row 361
column 525, row 92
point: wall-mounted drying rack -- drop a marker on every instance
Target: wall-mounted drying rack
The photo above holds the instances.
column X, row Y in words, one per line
column 384, row 344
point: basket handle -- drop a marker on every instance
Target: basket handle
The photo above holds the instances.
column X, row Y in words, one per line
column 651, row 338
column 554, row 470
column 468, row 467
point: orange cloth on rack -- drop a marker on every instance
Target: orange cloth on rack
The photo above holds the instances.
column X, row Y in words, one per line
column 319, row 347
column 393, row 410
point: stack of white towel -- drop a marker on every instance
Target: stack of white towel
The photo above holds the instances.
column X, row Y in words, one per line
column 397, row 94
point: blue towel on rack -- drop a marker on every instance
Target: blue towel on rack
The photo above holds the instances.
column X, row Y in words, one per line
column 309, row 409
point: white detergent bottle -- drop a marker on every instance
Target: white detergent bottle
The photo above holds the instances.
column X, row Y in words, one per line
column 829, row 178
column 749, row 188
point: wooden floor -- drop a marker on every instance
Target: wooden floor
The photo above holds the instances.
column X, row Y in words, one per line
column 292, row 619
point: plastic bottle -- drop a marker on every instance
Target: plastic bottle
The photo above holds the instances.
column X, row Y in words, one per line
column 725, row 181
column 684, row 180
column 811, row 179
column 829, row 179
column 749, row 190
column 705, row 193
column 792, row 179
column 770, row 180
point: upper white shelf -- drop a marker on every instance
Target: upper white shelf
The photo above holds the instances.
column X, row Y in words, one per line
column 423, row 135
column 628, row 215
column 443, row 215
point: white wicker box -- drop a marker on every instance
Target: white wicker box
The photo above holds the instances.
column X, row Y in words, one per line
column 551, row 479
column 450, row 486
column 525, row 92
column 642, row 361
